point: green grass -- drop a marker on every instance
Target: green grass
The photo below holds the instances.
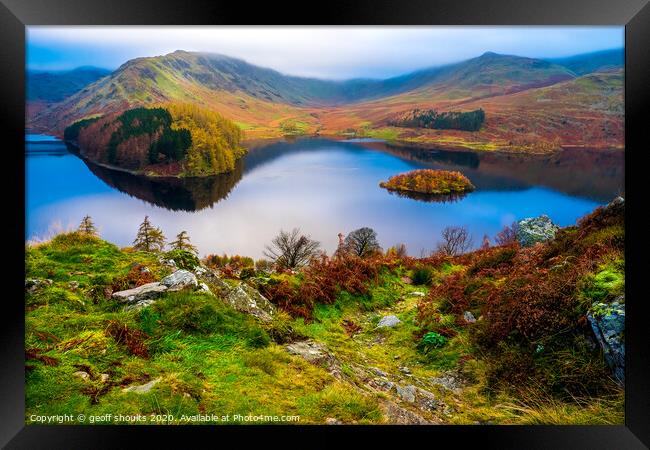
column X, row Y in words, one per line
column 211, row 359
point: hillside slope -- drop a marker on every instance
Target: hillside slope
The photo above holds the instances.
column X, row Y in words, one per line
column 266, row 103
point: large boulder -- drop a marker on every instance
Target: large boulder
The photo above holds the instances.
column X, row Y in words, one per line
column 608, row 324
column 248, row 300
column 139, row 294
column 536, row 229
column 181, row 279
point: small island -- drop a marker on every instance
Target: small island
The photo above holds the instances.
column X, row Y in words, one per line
column 171, row 140
column 429, row 182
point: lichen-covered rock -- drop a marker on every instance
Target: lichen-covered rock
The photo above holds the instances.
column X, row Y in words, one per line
column 204, row 288
column 316, row 354
column 147, row 291
column 608, row 324
column 144, row 388
column 181, row 279
column 536, row 229
column 388, row 321
column 34, row 284
column 469, row 317
column 248, row 300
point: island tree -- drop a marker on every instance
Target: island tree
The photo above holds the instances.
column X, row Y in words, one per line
column 87, row 226
column 362, row 242
column 182, row 242
column 149, row 238
column 290, row 250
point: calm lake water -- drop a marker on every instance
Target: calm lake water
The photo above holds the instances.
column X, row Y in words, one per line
column 321, row 186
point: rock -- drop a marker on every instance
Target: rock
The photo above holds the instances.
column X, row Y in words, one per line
column 608, row 324
column 144, row 388
column 406, row 280
column 204, row 288
column 73, row 285
column 469, row 317
column 103, row 377
column 168, row 262
column 401, row 416
column 85, row 376
column 426, row 400
column 416, row 294
column 448, row 380
column 136, row 295
column 378, row 372
column 139, row 305
column 181, row 279
column 145, row 269
column 34, row 284
column 618, row 202
column 200, row 270
column 388, row 321
column 406, row 393
column 536, row 229
column 333, row 421
column 248, row 300
column 316, row 354
column 405, row 370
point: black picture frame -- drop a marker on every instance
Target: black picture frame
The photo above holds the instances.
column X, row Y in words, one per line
column 15, row 15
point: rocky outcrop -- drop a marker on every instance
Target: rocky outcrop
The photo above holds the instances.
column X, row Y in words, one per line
column 241, row 297
column 179, row 280
column 139, row 294
column 248, row 300
column 536, row 229
column 608, row 324
column 315, row 354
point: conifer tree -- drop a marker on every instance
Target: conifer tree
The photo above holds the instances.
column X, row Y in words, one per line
column 149, row 238
column 87, row 226
column 182, row 242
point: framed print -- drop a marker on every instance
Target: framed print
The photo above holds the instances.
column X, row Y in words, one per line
column 378, row 219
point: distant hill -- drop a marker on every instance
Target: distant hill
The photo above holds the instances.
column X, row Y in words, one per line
column 52, row 87
column 591, row 62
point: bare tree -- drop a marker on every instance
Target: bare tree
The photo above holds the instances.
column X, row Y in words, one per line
column 455, row 241
column 87, row 226
column 362, row 242
column 486, row 242
column 182, row 242
column 508, row 235
column 291, row 250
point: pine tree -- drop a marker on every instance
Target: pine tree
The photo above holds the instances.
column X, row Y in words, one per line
column 182, row 242
column 149, row 238
column 87, row 226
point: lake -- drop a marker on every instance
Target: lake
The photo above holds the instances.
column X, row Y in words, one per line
column 322, row 187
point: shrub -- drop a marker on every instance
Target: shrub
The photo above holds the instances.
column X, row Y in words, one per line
column 430, row 341
column 184, row 259
column 422, row 276
column 133, row 340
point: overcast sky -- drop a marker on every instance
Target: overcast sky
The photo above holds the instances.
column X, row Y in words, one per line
column 323, row 52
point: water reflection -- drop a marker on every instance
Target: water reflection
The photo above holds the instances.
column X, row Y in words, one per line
column 175, row 194
column 430, row 198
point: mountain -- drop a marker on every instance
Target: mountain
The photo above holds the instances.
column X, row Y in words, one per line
column 592, row 62
column 46, row 88
column 52, row 87
column 266, row 103
column 253, row 94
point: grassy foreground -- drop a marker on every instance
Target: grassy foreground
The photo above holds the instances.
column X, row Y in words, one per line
column 207, row 363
